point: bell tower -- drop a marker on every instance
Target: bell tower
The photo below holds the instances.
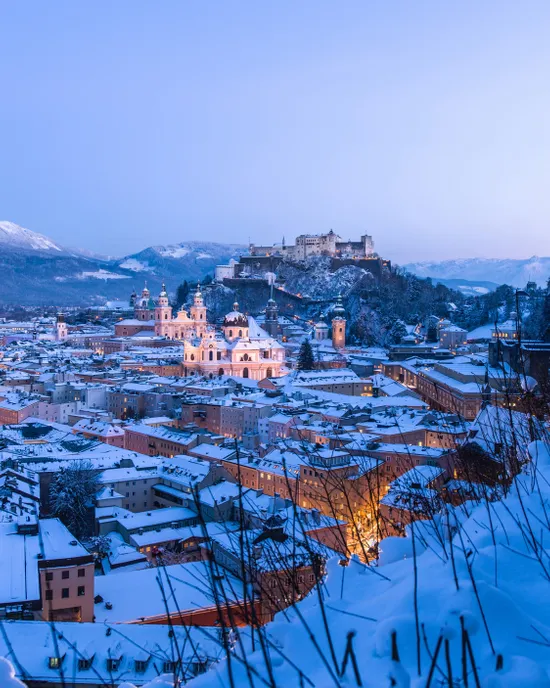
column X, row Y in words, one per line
column 271, row 324
column 61, row 331
column 163, row 312
column 339, row 325
column 198, row 312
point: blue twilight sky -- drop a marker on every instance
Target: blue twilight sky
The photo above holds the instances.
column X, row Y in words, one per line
column 128, row 123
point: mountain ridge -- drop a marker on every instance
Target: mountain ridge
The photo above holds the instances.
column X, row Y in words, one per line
column 513, row 271
column 41, row 272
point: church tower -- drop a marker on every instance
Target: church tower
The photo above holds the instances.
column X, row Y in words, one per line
column 163, row 312
column 144, row 306
column 61, row 331
column 321, row 330
column 198, row 312
column 339, row 325
column 271, row 324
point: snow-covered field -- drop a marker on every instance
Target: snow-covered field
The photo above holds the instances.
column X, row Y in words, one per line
column 135, row 265
column 101, row 274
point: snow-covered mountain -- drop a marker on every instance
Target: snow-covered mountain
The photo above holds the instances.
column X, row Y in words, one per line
column 38, row 271
column 514, row 271
column 16, row 237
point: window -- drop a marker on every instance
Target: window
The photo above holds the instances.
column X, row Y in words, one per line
column 140, row 665
column 64, row 574
column 81, row 590
column 65, row 592
column 113, row 664
column 81, row 573
column 85, row 663
column 169, row 667
column 49, row 594
column 49, row 575
column 54, row 662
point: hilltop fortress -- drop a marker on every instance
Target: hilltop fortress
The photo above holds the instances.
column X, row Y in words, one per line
column 307, row 245
column 265, row 259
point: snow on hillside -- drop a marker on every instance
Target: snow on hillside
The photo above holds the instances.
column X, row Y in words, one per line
column 480, row 579
column 174, row 251
column 135, row 265
column 514, row 271
column 14, row 236
column 96, row 274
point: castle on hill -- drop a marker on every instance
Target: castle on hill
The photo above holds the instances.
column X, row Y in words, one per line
column 308, row 245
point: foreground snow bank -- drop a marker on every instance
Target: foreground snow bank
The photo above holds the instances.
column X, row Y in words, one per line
column 7, row 675
column 478, row 589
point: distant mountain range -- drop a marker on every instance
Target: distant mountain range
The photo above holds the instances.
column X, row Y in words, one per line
column 477, row 271
column 37, row 271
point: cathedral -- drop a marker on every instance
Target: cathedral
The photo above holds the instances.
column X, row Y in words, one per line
column 242, row 348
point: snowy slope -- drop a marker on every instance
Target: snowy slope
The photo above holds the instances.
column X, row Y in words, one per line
column 486, row 571
column 514, row 271
column 16, row 237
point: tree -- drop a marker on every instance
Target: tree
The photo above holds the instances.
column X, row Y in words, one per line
column 208, row 279
column 305, row 356
column 431, row 335
column 182, row 292
column 72, row 495
column 396, row 332
column 545, row 325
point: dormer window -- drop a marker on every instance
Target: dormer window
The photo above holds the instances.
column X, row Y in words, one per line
column 85, row 663
column 140, row 665
column 55, row 662
column 169, row 667
column 113, row 663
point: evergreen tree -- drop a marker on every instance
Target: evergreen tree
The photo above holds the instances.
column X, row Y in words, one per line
column 305, row 356
column 182, row 292
column 72, row 495
column 431, row 335
column 545, row 326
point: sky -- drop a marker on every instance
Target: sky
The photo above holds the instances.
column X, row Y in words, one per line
column 134, row 123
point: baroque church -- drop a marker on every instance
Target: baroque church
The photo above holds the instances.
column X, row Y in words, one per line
column 241, row 348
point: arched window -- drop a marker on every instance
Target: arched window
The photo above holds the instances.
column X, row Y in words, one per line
column 201, row 316
column 246, row 357
column 219, row 355
column 240, row 333
column 220, row 371
column 269, row 372
column 230, row 333
column 166, row 316
column 192, row 357
column 340, row 330
column 245, row 372
column 211, row 355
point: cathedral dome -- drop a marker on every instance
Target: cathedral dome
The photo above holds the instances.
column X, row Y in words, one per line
column 235, row 318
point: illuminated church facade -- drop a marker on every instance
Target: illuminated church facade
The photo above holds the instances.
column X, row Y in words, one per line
column 241, row 348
